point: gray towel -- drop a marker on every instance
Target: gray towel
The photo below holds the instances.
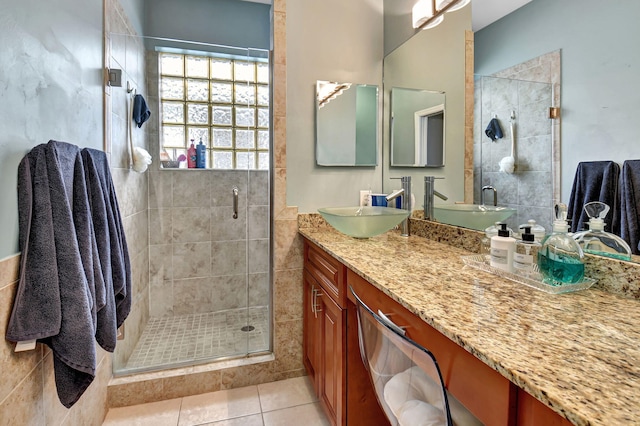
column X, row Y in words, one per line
column 594, row 181
column 630, row 204
column 493, row 130
column 141, row 111
column 54, row 302
column 112, row 244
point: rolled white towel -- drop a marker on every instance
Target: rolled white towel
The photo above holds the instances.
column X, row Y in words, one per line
column 420, row 413
column 412, row 384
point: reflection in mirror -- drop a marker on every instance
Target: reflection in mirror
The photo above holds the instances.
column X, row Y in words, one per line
column 346, row 124
column 417, row 128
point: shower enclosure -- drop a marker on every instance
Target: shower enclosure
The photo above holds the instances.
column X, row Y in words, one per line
column 207, row 296
column 530, row 188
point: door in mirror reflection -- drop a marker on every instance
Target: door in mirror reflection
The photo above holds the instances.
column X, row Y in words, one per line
column 346, row 124
column 417, row 128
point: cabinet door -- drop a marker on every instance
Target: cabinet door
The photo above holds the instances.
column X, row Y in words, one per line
column 312, row 330
column 532, row 412
column 332, row 347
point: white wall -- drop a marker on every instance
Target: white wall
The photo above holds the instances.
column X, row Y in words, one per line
column 332, row 40
column 50, row 87
column 600, row 69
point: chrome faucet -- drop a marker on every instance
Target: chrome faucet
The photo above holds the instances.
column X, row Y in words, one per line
column 495, row 194
column 405, row 191
column 429, row 192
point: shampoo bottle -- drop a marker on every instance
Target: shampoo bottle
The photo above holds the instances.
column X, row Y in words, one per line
column 201, row 155
column 526, row 254
column 502, row 248
column 191, row 156
column 560, row 259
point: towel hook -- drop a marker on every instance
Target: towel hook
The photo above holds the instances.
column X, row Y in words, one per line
column 130, row 88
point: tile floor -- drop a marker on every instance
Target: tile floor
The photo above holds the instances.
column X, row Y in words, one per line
column 284, row 403
column 185, row 338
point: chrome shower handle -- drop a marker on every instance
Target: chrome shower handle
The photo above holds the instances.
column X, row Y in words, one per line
column 235, row 202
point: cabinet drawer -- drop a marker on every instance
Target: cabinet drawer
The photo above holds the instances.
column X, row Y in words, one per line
column 329, row 272
column 482, row 390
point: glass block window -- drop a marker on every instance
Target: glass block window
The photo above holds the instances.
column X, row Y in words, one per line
column 222, row 101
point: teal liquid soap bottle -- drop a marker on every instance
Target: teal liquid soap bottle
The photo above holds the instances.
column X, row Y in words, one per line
column 596, row 240
column 561, row 259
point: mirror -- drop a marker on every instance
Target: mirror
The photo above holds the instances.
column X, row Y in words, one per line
column 346, row 124
column 427, row 63
column 417, row 128
column 596, row 101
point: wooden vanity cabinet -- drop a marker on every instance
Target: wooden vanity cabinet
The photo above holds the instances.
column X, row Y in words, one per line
column 482, row 390
column 331, row 355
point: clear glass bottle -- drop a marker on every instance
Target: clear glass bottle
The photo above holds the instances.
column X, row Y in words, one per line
column 596, row 240
column 526, row 254
column 560, row 259
column 485, row 243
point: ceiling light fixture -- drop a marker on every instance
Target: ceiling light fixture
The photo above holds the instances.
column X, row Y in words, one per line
column 430, row 13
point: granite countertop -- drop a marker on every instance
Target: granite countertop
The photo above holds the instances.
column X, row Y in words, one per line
column 578, row 353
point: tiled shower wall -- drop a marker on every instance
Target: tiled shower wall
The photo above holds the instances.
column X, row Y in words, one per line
column 528, row 89
column 200, row 254
column 125, row 51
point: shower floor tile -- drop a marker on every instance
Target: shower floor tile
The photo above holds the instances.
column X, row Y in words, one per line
column 186, row 338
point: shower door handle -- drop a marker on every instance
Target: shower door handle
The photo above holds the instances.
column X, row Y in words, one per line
column 235, row 202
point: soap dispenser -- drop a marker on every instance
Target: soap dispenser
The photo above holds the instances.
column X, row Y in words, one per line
column 201, row 155
column 526, row 253
column 537, row 230
column 502, row 248
column 596, row 240
column 560, row 260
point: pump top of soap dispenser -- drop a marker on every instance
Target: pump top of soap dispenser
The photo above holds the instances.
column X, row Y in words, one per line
column 503, row 231
column 536, row 229
column 527, row 236
column 596, row 240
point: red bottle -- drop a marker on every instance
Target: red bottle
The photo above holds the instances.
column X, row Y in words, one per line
column 191, row 156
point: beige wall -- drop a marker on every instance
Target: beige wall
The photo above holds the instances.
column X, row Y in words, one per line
column 332, row 40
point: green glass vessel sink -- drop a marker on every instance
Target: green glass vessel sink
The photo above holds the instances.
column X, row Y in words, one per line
column 474, row 216
column 363, row 222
